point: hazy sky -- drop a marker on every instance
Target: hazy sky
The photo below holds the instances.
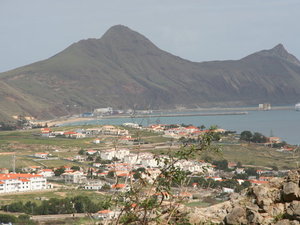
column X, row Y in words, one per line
column 198, row 30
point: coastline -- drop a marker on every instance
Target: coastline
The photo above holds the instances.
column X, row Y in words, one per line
column 60, row 121
column 166, row 113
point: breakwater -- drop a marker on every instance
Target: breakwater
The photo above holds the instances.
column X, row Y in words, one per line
column 178, row 115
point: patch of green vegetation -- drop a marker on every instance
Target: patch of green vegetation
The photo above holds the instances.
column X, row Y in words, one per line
column 36, row 196
column 257, row 155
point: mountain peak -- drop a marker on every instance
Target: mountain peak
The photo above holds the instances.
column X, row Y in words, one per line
column 125, row 38
column 278, row 51
column 122, row 32
column 118, row 29
column 279, row 47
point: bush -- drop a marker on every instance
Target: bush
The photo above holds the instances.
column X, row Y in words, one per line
column 4, row 218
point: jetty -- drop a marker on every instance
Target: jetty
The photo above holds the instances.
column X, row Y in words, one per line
column 178, row 115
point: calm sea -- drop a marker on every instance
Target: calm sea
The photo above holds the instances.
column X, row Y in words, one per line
column 280, row 123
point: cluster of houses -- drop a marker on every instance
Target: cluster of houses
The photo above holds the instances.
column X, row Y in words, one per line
column 82, row 133
column 147, row 160
column 179, row 131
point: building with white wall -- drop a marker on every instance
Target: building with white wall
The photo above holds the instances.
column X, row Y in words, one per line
column 18, row 182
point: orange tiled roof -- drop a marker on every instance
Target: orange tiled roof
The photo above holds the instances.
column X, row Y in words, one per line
column 118, row 186
column 104, row 211
column 11, row 176
column 24, row 180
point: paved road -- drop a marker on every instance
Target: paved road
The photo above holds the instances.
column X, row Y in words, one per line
column 41, row 218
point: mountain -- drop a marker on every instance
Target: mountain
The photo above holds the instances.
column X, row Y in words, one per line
column 124, row 69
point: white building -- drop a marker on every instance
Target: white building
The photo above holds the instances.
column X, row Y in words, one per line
column 96, row 141
column 18, row 182
column 74, row 177
column 132, row 159
column 46, row 173
column 101, row 111
column 106, row 215
column 132, row 125
column 118, row 153
column 227, row 190
column 96, row 186
column 195, row 167
column 112, row 130
column 149, row 162
column 41, row 155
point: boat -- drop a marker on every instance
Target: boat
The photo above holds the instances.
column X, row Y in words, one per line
column 297, row 107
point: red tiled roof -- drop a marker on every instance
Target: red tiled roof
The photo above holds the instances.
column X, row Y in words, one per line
column 118, row 186
column 104, row 211
column 24, row 180
column 11, row 176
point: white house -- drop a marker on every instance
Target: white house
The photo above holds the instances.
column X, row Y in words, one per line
column 110, row 154
column 93, row 186
column 96, row 141
column 106, row 215
column 149, row 162
column 41, row 155
column 91, row 152
column 133, row 125
column 46, row 173
column 132, row 159
column 18, row 182
column 227, row 190
column 74, row 177
column 78, row 158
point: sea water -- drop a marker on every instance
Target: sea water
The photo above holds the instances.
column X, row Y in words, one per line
column 280, row 123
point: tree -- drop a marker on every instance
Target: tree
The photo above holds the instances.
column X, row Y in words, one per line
column 111, row 174
column 76, row 168
column 90, row 158
column 59, row 171
column 115, row 159
column 105, row 187
column 239, row 165
column 246, row 136
column 81, row 152
column 258, row 138
column 221, row 165
column 251, row 172
column 202, row 127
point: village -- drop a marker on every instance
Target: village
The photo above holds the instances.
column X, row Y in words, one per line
column 122, row 155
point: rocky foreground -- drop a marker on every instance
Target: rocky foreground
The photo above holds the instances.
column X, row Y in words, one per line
column 276, row 203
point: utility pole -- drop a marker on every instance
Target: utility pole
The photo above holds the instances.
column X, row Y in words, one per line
column 14, row 163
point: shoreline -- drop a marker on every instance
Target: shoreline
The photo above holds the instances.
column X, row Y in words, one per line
column 166, row 113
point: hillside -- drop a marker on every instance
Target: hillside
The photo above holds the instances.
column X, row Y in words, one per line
column 123, row 69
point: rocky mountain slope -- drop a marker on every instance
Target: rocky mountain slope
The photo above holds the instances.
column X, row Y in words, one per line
column 123, row 69
column 275, row 203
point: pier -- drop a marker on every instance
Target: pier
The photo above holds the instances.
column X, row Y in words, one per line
column 179, row 115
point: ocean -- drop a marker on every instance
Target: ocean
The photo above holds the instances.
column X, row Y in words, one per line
column 280, row 123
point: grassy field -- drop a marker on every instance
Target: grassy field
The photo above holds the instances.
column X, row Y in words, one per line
column 252, row 154
column 36, row 196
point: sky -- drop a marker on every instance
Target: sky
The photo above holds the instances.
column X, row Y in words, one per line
column 197, row 30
